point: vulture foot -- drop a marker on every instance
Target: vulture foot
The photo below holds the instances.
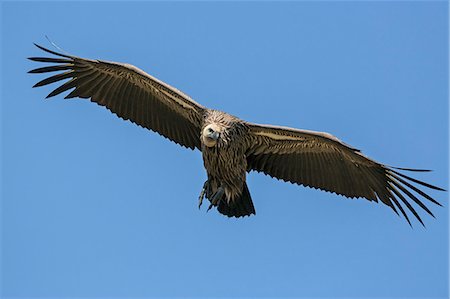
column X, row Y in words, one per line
column 216, row 197
column 202, row 194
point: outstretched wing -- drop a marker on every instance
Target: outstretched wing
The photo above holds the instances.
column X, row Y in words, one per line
column 128, row 92
column 320, row 160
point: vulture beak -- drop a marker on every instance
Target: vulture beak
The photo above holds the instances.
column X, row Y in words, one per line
column 213, row 135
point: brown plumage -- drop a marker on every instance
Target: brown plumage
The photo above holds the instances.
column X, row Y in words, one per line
column 232, row 147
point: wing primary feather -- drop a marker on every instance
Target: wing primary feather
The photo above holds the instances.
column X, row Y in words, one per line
column 66, row 86
column 87, row 84
column 385, row 197
column 400, row 208
column 81, row 65
column 415, row 189
column 418, row 181
column 95, row 83
column 84, row 71
column 380, row 183
column 406, row 202
column 411, row 169
column 412, row 196
column 379, row 174
column 373, row 185
column 52, row 68
column 55, row 78
column 52, row 52
column 73, row 94
column 50, row 59
column 391, row 206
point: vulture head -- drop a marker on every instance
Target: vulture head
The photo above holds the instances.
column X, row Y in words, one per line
column 211, row 134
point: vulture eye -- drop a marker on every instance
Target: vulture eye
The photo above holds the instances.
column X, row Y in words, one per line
column 210, row 130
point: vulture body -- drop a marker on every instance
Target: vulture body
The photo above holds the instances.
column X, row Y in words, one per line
column 230, row 146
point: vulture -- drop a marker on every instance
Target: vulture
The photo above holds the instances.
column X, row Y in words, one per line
column 232, row 147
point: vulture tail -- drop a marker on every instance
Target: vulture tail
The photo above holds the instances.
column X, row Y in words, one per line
column 239, row 207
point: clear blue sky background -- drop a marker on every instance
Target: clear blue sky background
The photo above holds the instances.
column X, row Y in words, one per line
column 95, row 206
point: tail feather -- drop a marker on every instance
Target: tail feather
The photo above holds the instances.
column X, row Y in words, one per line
column 239, row 207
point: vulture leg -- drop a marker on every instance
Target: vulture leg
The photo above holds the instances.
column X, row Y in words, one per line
column 216, row 197
column 202, row 194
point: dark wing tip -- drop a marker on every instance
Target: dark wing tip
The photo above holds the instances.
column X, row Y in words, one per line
column 418, row 181
column 52, row 52
column 50, row 59
column 52, row 68
column 411, row 169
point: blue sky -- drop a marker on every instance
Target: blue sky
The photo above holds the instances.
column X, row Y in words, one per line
column 93, row 206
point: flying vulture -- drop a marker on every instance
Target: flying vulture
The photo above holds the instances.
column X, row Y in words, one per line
column 231, row 147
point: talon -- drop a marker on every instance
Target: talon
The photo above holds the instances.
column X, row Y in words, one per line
column 202, row 195
column 200, row 198
column 216, row 198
